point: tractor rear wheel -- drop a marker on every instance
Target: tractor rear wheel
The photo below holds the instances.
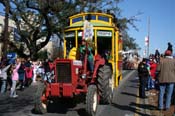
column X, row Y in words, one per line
column 40, row 99
column 91, row 100
column 105, row 84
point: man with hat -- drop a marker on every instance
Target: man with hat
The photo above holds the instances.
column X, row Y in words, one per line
column 166, row 70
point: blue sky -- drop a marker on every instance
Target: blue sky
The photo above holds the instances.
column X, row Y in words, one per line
column 162, row 22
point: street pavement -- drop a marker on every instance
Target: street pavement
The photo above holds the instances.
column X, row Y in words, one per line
column 125, row 103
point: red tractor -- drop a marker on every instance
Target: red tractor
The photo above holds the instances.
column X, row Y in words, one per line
column 73, row 78
column 68, row 82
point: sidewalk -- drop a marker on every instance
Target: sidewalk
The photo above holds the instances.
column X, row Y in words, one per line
column 152, row 102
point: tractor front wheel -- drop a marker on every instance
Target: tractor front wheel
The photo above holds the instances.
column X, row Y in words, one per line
column 91, row 100
column 40, row 99
column 105, row 84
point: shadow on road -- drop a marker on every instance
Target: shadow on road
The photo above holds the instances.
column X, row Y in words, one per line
column 65, row 107
column 134, row 81
column 81, row 112
column 144, row 106
column 133, row 86
column 129, row 108
column 61, row 107
column 130, row 94
column 8, row 104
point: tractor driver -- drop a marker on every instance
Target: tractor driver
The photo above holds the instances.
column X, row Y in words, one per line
column 90, row 58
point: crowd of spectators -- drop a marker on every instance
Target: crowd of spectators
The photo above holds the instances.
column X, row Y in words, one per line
column 158, row 72
column 21, row 73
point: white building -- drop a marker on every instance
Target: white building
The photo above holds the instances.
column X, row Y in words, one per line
column 11, row 27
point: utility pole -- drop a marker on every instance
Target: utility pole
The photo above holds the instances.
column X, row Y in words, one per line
column 148, row 36
column 147, row 39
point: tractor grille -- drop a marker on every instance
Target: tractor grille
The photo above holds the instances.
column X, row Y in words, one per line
column 63, row 72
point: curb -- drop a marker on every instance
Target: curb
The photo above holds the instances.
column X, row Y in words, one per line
column 142, row 110
column 147, row 111
column 142, row 101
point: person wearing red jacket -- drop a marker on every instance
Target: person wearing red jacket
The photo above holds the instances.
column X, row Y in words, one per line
column 153, row 67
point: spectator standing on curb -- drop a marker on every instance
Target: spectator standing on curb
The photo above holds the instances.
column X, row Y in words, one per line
column 21, row 72
column 143, row 77
column 3, row 75
column 9, row 78
column 35, row 68
column 15, row 78
column 28, row 73
column 153, row 67
column 166, row 69
column 170, row 47
column 40, row 70
column 47, row 69
column 149, row 81
column 46, row 66
column 157, row 56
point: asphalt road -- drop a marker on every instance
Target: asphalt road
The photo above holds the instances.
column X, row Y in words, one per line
column 124, row 102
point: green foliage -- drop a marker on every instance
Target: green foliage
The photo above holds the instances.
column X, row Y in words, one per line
column 42, row 55
column 129, row 42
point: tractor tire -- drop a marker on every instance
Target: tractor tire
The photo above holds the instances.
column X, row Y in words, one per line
column 40, row 105
column 105, row 84
column 91, row 100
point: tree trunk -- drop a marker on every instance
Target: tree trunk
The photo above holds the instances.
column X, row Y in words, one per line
column 6, row 25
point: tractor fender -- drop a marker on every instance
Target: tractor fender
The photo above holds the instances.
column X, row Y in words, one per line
column 98, row 61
